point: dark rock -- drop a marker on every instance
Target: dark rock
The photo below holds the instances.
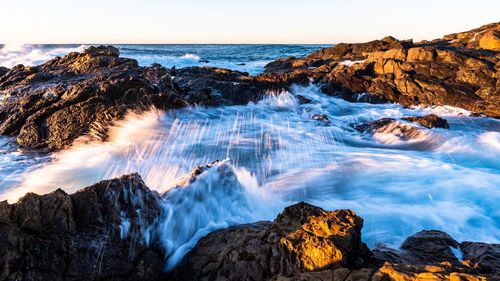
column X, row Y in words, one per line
column 321, row 117
column 216, row 86
column 204, row 61
column 95, row 233
column 52, row 104
column 3, row 71
column 485, row 257
column 303, row 238
column 429, row 121
column 303, row 100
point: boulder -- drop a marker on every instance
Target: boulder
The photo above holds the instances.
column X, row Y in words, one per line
column 50, row 105
column 303, row 238
column 429, row 121
column 96, row 233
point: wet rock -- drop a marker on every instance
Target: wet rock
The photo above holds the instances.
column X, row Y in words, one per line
column 485, row 257
column 429, row 121
column 390, row 126
column 216, row 86
column 52, row 104
column 95, row 233
column 303, row 238
column 303, row 100
column 204, row 61
column 321, row 117
column 423, row 248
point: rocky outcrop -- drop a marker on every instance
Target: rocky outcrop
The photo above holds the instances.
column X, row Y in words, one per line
column 303, row 238
column 459, row 70
column 215, row 86
column 94, row 234
column 308, row 243
column 50, row 105
column 102, row 233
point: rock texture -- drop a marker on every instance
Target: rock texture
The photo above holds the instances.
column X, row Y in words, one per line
column 94, row 234
column 100, row 233
column 50, row 105
column 308, row 243
column 302, row 238
column 460, row 70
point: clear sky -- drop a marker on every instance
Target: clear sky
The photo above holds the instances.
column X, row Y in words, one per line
column 237, row 21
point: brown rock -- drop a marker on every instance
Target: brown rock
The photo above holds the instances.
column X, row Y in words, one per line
column 429, row 121
column 303, row 238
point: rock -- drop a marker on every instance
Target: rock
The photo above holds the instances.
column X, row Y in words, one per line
column 454, row 70
column 204, row 61
column 490, row 40
column 96, row 232
column 216, row 86
column 3, row 71
column 321, row 117
column 303, row 100
column 302, row 238
column 485, row 257
column 52, row 104
column 429, row 121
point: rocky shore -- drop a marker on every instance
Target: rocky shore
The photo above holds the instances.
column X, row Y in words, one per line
column 50, row 105
column 104, row 232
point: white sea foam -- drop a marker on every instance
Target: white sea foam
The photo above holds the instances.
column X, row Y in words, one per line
column 279, row 156
column 29, row 55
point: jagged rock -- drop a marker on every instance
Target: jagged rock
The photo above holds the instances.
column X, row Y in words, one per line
column 455, row 70
column 50, row 105
column 429, row 121
column 216, row 86
column 95, row 234
column 485, row 257
column 302, row 238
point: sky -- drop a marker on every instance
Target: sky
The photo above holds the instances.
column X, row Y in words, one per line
column 237, row 21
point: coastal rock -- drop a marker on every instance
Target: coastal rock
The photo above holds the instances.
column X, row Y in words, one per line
column 50, row 105
column 429, row 121
column 459, row 70
column 303, row 238
column 216, row 86
column 3, row 71
column 96, row 233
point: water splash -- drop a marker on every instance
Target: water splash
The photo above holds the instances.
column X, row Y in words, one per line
column 439, row 179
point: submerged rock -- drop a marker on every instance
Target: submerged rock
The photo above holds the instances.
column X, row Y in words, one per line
column 429, row 121
column 96, row 234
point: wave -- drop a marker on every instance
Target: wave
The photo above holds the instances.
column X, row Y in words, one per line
column 30, row 55
column 279, row 151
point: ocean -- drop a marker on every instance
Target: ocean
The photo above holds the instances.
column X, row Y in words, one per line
column 277, row 155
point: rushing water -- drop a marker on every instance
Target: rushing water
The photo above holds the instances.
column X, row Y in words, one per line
column 275, row 154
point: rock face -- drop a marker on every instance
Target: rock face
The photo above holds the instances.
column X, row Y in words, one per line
column 302, row 238
column 308, row 243
column 459, row 70
column 48, row 106
column 100, row 233
column 94, row 234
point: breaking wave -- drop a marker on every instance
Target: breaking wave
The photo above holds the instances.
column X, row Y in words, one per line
column 280, row 154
